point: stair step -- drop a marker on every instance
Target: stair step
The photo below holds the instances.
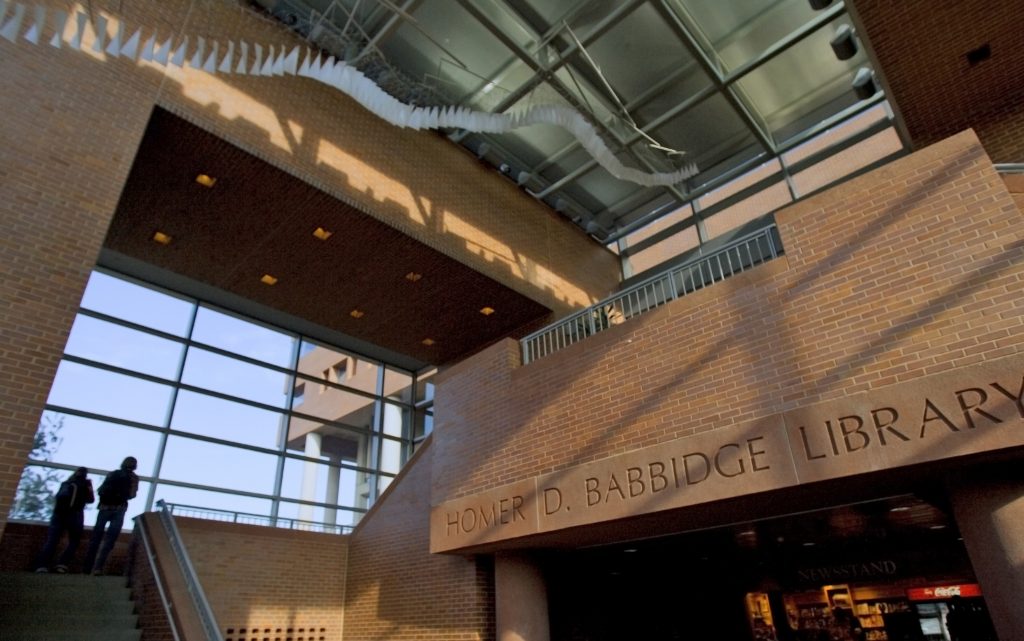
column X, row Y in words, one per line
column 25, row 617
column 66, row 607
column 74, row 635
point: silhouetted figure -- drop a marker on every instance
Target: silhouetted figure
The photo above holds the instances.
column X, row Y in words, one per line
column 119, row 487
column 68, row 516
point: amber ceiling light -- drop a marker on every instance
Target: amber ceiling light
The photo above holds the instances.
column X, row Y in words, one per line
column 487, row 311
column 322, row 233
column 206, row 181
column 413, row 276
column 355, row 313
column 267, row 279
column 428, row 341
column 162, row 238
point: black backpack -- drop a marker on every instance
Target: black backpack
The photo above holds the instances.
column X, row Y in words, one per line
column 66, row 495
column 115, row 488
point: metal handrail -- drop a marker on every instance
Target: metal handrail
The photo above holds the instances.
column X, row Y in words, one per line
column 151, row 557
column 206, row 616
column 248, row 518
column 739, row 255
column 1010, row 167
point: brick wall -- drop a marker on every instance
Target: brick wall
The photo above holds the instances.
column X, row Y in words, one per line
column 910, row 270
column 265, row 582
column 62, row 164
column 21, row 542
column 146, row 595
column 934, row 86
column 397, row 590
column 1015, row 185
column 73, row 121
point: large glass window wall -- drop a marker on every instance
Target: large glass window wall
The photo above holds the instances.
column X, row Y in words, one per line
column 222, row 412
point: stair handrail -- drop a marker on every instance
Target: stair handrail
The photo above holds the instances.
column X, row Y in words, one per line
column 151, row 557
column 206, row 616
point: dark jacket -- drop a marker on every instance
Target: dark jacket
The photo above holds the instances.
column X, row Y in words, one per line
column 118, row 488
column 74, row 494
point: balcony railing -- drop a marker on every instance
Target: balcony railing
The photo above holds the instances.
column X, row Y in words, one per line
column 256, row 519
column 739, row 255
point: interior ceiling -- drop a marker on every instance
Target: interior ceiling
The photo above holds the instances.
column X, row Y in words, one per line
column 258, row 220
column 730, row 83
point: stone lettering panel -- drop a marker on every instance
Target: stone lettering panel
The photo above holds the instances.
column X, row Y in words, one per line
column 502, row 513
column 713, row 465
column 974, row 409
column 966, row 411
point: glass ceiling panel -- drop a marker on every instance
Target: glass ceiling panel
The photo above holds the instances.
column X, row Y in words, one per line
column 566, row 165
column 553, row 12
column 802, row 79
column 488, row 95
column 691, row 82
column 459, row 54
column 533, row 144
column 599, row 189
column 577, row 84
column 637, row 52
column 708, row 132
column 505, row 20
column 740, row 31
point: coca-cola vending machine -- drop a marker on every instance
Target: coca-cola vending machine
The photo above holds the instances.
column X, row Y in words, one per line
column 954, row 612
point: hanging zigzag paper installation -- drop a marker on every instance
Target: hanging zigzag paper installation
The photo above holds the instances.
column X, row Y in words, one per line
column 235, row 58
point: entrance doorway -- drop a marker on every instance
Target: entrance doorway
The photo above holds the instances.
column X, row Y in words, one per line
column 884, row 570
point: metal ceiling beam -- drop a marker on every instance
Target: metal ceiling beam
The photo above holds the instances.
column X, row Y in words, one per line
column 607, row 23
column 720, row 83
column 697, row 51
column 389, row 28
column 564, row 91
column 724, row 82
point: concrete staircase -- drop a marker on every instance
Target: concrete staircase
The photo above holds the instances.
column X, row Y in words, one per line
column 72, row 607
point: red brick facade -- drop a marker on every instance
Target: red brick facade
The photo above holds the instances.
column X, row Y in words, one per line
column 910, row 270
column 265, row 582
column 922, row 48
column 396, row 589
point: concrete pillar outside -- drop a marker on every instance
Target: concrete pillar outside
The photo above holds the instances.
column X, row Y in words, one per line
column 521, row 599
column 333, row 483
column 391, row 451
column 309, row 470
column 989, row 509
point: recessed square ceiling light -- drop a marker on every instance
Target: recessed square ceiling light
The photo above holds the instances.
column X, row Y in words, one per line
column 322, row 233
column 428, row 341
column 487, row 311
column 355, row 313
column 413, row 276
column 206, row 181
column 162, row 238
column 267, row 279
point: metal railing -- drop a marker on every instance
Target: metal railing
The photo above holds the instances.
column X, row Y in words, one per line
column 203, row 609
column 740, row 255
column 1010, row 167
column 168, row 606
column 246, row 518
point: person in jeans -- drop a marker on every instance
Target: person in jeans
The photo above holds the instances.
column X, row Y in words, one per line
column 67, row 516
column 119, row 487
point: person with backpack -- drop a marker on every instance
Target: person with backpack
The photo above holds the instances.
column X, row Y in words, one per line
column 119, row 487
column 68, row 516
